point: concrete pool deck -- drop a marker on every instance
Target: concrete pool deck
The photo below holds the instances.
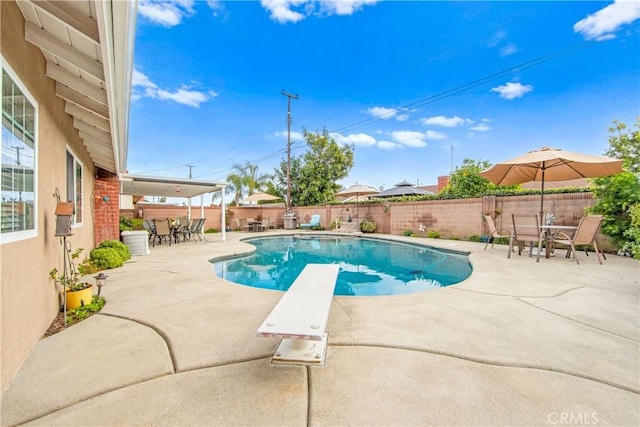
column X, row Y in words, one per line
column 518, row 343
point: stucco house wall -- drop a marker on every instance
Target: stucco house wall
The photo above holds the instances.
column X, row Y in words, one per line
column 28, row 299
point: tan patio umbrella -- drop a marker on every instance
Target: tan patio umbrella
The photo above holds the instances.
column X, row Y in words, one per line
column 551, row 164
column 357, row 190
column 259, row 197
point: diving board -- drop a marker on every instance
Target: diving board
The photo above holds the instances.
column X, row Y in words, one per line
column 300, row 317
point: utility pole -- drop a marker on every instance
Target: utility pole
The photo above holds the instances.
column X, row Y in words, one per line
column 289, row 96
column 17, row 153
column 190, row 167
column 451, row 159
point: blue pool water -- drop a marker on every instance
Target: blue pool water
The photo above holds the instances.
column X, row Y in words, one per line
column 367, row 266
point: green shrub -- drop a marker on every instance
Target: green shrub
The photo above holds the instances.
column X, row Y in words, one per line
column 120, row 248
column 433, row 234
column 474, row 238
column 633, row 232
column 211, row 230
column 335, row 224
column 367, row 226
column 106, row 258
column 407, row 233
column 85, row 311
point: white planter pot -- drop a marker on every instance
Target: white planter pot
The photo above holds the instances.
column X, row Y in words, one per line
column 137, row 241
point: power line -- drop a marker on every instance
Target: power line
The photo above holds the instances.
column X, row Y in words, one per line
column 459, row 89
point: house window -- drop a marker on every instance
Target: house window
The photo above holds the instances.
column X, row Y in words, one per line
column 74, row 185
column 18, row 208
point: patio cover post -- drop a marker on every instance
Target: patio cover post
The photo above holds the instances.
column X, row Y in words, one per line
column 223, row 219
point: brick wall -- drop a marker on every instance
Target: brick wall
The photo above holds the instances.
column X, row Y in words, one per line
column 106, row 202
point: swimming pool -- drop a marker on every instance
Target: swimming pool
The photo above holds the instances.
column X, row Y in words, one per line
column 368, row 266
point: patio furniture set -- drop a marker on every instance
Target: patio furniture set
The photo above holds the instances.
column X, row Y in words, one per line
column 166, row 230
column 527, row 229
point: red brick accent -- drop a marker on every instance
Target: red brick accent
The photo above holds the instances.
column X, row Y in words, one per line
column 106, row 200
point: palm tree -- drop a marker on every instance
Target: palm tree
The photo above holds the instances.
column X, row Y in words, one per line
column 246, row 177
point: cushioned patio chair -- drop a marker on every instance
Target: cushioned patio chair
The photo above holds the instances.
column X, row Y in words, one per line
column 495, row 234
column 585, row 234
column 315, row 221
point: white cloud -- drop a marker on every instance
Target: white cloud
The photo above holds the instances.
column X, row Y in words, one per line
column 139, row 79
column 295, row 136
column 435, row 135
column 184, row 95
column 343, row 7
column 167, row 13
column 512, row 90
column 382, row 112
column 357, row 139
column 409, row 138
column 388, row 145
column 509, row 49
column 603, row 24
column 448, row 122
column 482, row 127
column 402, row 117
column 497, row 38
column 284, row 11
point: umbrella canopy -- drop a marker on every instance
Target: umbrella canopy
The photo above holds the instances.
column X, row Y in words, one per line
column 551, row 164
column 259, row 197
column 356, row 190
column 403, row 188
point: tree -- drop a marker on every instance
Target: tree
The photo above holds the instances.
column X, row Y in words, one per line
column 314, row 174
column 466, row 182
column 246, row 177
column 619, row 194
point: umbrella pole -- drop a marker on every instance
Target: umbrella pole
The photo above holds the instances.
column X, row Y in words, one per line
column 542, row 196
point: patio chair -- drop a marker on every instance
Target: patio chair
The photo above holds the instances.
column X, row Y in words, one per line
column 315, row 221
column 265, row 224
column 526, row 229
column 196, row 228
column 495, row 233
column 585, row 234
column 150, row 227
column 163, row 231
column 185, row 228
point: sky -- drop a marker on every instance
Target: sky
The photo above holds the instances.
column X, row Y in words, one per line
column 415, row 86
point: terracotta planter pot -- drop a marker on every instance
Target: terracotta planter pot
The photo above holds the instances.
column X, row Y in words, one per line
column 77, row 298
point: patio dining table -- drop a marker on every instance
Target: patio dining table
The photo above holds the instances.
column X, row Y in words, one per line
column 550, row 232
column 255, row 225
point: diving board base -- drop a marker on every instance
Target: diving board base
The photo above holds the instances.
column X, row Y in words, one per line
column 301, row 352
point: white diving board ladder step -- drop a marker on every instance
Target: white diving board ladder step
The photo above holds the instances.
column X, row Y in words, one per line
column 300, row 317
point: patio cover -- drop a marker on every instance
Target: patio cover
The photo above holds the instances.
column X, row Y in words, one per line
column 172, row 187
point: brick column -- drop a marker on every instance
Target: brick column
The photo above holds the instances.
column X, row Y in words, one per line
column 443, row 181
column 106, row 221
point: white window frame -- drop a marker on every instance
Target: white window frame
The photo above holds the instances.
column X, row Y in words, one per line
column 24, row 234
column 76, row 163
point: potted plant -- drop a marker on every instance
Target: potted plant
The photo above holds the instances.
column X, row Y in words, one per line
column 77, row 293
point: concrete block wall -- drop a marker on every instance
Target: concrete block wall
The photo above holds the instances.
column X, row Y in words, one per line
column 458, row 218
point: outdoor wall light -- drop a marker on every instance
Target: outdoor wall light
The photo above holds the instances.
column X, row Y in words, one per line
column 101, row 280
